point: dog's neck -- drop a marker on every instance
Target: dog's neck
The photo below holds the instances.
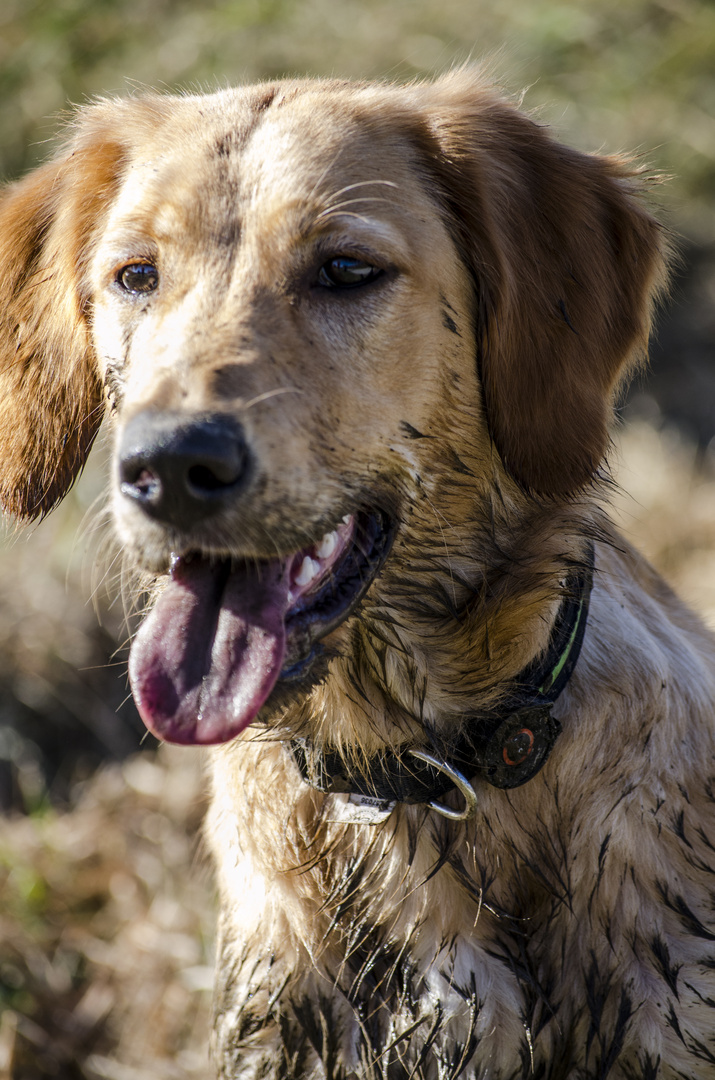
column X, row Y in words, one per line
column 505, row 745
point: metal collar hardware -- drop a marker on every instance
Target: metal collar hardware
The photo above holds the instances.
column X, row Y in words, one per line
column 458, row 780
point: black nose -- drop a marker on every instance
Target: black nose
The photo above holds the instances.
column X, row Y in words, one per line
column 181, row 470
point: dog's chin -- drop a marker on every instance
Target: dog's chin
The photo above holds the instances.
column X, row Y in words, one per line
column 230, row 639
column 293, row 686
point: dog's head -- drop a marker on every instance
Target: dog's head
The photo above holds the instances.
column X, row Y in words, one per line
column 329, row 319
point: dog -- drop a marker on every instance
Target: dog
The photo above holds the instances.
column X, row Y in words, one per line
column 360, row 346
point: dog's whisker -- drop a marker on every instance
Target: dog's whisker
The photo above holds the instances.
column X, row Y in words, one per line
column 332, row 210
column 347, row 214
column 361, row 184
column 267, row 394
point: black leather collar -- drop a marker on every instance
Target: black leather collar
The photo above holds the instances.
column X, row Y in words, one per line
column 506, row 746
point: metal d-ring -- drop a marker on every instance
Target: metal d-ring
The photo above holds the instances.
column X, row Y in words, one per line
column 459, row 781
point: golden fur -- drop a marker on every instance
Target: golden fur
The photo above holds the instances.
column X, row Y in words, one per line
column 567, row 930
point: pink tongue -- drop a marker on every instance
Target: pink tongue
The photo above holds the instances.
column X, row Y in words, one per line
column 211, row 650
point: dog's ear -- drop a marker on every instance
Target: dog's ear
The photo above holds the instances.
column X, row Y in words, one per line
column 51, row 399
column 566, row 261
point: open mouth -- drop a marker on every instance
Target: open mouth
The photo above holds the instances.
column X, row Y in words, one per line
column 223, row 633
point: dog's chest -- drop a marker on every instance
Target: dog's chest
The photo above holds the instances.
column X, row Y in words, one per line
column 373, row 1006
column 390, row 975
column 354, row 969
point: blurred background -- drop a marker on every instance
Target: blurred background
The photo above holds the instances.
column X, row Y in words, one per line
column 105, row 903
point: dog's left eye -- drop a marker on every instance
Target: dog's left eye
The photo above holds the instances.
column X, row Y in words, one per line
column 138, row 278
column 343, row 272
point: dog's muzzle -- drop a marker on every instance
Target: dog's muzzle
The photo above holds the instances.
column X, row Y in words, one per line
column 227, row 627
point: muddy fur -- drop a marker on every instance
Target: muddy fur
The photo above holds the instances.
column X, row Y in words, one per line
column 566, row 931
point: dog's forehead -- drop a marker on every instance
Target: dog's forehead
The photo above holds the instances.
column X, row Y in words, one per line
column 316, row 140
column 315, row 163
column 287, row 158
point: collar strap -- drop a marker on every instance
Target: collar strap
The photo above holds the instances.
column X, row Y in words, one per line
column 505, row 746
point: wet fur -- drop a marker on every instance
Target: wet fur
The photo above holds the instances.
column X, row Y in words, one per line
column 566, row 931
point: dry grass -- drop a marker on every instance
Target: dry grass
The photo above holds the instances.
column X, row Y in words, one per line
column 105, row 930
column 107, row 913
column 666, row 507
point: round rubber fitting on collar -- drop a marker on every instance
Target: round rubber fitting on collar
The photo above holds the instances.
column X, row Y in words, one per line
column 519, row 746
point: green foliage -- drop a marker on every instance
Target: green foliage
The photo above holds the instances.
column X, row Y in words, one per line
column 611, row 74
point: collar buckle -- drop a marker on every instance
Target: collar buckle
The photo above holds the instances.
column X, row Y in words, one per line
column 460, row 782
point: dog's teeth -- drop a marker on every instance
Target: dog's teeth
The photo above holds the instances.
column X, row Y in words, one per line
column 327, row 545
column 347, row 518
column 309, row 569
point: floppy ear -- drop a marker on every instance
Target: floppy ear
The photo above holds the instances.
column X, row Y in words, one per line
column 566, row 261
column 51, row 399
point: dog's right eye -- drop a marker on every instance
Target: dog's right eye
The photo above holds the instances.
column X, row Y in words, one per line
column 344, row 272
column 138, row 278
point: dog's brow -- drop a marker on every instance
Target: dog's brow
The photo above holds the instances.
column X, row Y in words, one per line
column 352, row 227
